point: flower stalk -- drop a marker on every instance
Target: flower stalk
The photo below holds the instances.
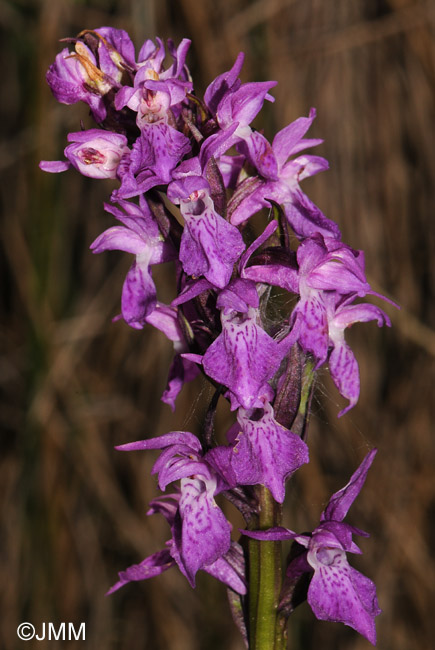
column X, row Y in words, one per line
column 269, row 574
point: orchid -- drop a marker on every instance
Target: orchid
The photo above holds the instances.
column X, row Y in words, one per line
column 201, row 532
column 279, row 179
column 94, row 153
column 337, row 592
column 209, row 245
column 243, row 357
column 140, row 236
column 228, row 568
column 265, row 452
column 331, row 276
column 76, row 77
column 231, row 102
column 190, row 173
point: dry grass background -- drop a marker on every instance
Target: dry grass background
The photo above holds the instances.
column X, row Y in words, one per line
column 73, row 384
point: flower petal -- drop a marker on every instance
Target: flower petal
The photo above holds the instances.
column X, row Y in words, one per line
column 209, row 245
column 243, row 358
column 306, row 218
column 152, row 566
column 138, row 293
column 160, row 442
column 54, row 166
column 339, row 593
column 119, row 238
column 230, row 569
column 345, row 373
column 341, row 501
column 266, row 453
column 205, row 531
column 287, row 141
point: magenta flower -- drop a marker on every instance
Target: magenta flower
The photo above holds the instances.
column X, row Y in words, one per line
column 156, row 97
column 264, row 452
column 337, row 592
column 243, row 357
column 103, row 60
column 331, row 276
column 153, row 157
column 94, row 153
column 209, row 244
column 75, row 76
column 229, row 568
column 201, row 532
column 231, row 102
column 153, row 99
column 324, row 277
column 140, row 236
column 279, row 179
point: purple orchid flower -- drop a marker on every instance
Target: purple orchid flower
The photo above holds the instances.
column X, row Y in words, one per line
column 152, row 56
column 339, row 272
column 279, row 179
column 201, row 532
column 242, row 105
column 152, row 98
column 231, row 102
column 209, row 245
column 153, row 157
column 140, row 235
column 229, row 568
column 337, row 592
column 264, row 452
column 157, row 94
column 342, row 363
column 94, row 153
column 243, row 357
column 331, row 276
column 75, row 76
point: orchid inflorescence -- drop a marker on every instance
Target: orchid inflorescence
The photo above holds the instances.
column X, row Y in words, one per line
column 191, row 173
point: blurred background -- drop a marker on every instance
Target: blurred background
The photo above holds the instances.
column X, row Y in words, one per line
column 73, row 384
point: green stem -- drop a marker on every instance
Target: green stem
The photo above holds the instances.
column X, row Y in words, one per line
column 265, row 577
column 254, row 565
